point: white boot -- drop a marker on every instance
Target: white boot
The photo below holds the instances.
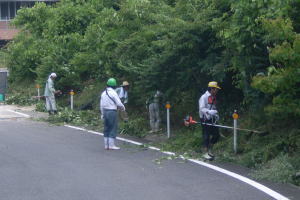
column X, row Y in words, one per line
column 112, row 145
column 106, row 143
column 206, row 156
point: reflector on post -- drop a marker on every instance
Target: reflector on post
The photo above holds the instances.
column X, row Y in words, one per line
column 235, row 115
column 168, row 106
column 72, row 92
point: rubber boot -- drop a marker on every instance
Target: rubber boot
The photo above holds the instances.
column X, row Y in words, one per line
column 112, row 145
column 106, row 146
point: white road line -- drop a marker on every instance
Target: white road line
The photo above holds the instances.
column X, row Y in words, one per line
column 130, row 141
column 154, row 148
column 97, row 133
column 24, row 115
column 257, row 185
column 169, row 153
column 77, row 128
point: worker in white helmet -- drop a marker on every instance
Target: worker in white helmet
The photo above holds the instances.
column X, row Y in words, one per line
column 50, row 94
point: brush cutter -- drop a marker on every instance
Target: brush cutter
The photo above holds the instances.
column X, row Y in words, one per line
column 188, row 120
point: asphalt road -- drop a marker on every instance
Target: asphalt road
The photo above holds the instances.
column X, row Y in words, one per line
column 39, row 161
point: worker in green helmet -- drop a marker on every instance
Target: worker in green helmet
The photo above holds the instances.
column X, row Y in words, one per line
column 109, row 104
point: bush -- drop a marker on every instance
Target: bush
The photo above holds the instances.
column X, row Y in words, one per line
column 40, row 106
column 80, row 118
column 134, row 127
column 187, row 142
column 20, row 99
column 89, row 97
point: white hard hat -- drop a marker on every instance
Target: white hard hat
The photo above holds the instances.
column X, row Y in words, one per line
column 53, row 75
column 125, row 83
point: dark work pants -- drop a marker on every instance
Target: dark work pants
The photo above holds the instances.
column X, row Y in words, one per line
column 110, row 123
column 210, row 134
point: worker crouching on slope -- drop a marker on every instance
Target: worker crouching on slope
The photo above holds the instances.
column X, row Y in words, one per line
column 109, row 104
column 209, row 114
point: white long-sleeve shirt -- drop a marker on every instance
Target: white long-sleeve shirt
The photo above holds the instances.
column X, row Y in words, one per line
column 122, row 94
column 206, row 102
column 112, row 103
column 49, row 88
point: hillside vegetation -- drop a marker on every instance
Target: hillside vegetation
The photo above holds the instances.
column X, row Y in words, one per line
column 252, row 48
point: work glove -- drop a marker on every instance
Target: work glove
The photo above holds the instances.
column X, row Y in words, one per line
column 212, row 112
column 216, row 118
column 58, row 92
column 121, row 108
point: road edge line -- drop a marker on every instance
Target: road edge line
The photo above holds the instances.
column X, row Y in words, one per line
column 25, row 115
column 253, row 183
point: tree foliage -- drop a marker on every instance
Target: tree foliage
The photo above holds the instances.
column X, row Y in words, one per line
column 282, row 79
column 176, row 46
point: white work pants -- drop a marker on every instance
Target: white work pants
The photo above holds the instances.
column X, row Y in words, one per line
column 154, row 116
column 50, row 103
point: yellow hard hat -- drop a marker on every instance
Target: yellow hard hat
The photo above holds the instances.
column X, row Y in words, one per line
column 125, row 83
column 213, row 84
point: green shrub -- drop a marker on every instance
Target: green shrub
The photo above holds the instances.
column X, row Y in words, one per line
column 20, row 99
column 252, row 158
column 184, row 141
column 89, row 97
column 40, row 106
column 80, row 118
column 134, row 127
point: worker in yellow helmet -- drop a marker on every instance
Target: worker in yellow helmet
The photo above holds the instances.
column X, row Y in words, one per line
column 209, row 114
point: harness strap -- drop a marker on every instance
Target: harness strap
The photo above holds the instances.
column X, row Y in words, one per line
column 110, row 97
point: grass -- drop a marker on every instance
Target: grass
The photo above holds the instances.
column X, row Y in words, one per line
column 21, row 95
column 278, row 169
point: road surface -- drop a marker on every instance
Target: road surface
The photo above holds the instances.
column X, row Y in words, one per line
column 39, row 161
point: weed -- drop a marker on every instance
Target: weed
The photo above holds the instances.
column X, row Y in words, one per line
column 79, row 118
column 279, row 169
column 40, row 106
column 134, row 127
column 20, row 99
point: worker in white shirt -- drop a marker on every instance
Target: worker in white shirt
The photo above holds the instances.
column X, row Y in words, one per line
column 209, row 114
column 109, row 104
column 122, row 92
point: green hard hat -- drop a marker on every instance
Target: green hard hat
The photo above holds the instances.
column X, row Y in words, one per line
column 112, row 82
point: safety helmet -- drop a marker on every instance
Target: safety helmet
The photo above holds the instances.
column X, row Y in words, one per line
column 125, row 83
column 53, row 75
column 111, row 82
column 213, row 84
